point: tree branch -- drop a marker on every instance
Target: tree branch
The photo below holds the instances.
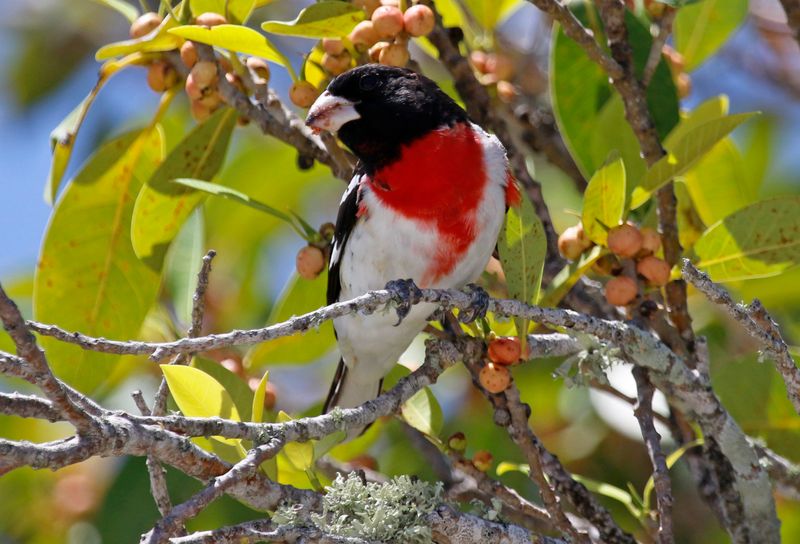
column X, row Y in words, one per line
column 792, row 9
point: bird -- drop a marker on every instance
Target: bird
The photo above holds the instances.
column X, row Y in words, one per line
column 424, row 208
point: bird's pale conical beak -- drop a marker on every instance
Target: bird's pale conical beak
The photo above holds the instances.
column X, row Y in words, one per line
column 329, row 112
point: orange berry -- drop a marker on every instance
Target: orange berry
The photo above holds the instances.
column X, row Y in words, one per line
column 363, row 36
column 161, row 76
column 193, row 90
column 505, row 350
column 375, row 50
column 189, row 54
column 387, row 21
column 621, row 291
column 259, row 67
column 478, row 60
column 656, row 271
column 500, row 65
column 573, row 242
column 332, row 46
column 200, row 112
column 482, row 460
column 494, row 378
column 210, row 19
column 145, row 24
column 625, row 240
column 418, row 20
column 336, row 64
column 364, row 461
column 303, row 94
column 395, row 54
column 506, row 91
column 310, row 262
column 684, row 85
column 651, row 240
column 204, row 73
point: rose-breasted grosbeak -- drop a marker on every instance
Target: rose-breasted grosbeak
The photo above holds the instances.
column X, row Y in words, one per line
column 426, row 203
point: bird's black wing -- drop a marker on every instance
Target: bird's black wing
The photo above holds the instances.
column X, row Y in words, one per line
column 345, row 221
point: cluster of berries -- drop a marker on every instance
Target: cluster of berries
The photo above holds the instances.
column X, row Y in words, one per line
column 201, row 83
column 482, row 459
column 382, row 38
column 503, row 352
column 628, row 244
column 495, row 69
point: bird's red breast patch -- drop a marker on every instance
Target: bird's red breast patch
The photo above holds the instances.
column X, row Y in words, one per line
column 439, row 178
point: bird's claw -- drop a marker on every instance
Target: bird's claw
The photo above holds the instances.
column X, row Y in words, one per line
column 405, row 294
column 478, row 306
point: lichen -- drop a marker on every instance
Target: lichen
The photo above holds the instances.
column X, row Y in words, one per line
column 391, row 512
column 589, row 364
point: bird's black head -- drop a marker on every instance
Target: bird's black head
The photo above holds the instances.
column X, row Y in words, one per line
column 376, row 109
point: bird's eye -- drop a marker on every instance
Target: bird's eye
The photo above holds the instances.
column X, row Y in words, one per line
column 369, row 82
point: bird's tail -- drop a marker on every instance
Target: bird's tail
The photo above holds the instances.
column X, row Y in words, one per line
column 348, row 392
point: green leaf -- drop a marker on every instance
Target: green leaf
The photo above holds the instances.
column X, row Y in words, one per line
column 755, row 242
column 610, row 491
column 685, row 152
column 161, row 206
column 183, row 263
column 719, row 183
column 258, row 399
column 235, row 386
column 569, row 276
column 422, row 411
column 236, row 11
column 299, row 454
column 62, row 138
column 240, row 39
column 580, row 92
column 523, row 246
column 159, row 39
column 199, row 395
column 710, row 110
column 300, row 296
column 488, row 12
column 690, row 226
column 504, row 467
column 328, row 19
column 701, row 29
column 122, row 7
column 238, row 196
column 604, row 200
column 88, row 278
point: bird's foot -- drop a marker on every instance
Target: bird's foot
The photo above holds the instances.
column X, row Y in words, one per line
column 478, row 306
column 405, row 294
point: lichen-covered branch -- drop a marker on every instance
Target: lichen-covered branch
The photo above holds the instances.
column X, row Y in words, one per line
column 758, row 324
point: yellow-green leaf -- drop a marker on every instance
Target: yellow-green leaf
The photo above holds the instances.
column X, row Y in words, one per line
column 760, row 240
column 702, row 28
column 62, row 139
column 523, row 246
column 422, row 411
column 88, row 278
column 719, row 183
column 199, row 395
column 159, row 39
column 690, row 226
column 236, row 387
column 489, row 12
column 711, row 109
column 328, row 19
column 685, row 152
column 161, row 206
column 258, row 399
column 183, row 263
column 299, row 296
column 234, row 38
column 604, row 200
column 300, row 454
column 236, row 11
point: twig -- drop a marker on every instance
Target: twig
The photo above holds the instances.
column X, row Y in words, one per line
column 264, row 531
column 181, row 513
column 758, row 324
column 41, row 375
column 156, row 472
column 643, row 410
column 15, row 404
column 664, row 30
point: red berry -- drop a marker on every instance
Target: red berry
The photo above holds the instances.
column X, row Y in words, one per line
column 494, row 378
column 621, row 291
column 505, row 350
